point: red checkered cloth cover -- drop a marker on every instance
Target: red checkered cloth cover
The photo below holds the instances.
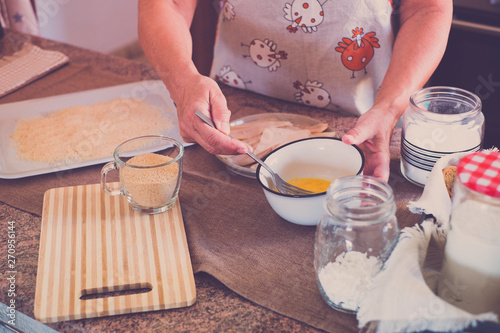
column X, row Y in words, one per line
column 480, row 172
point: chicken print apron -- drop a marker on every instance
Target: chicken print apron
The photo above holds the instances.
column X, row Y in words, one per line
column 330, row 54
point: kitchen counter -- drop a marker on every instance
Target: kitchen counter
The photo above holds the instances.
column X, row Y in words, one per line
column 218, row 307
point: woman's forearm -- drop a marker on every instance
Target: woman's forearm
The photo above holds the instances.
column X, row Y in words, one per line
column 418, row 49
column 166, row 40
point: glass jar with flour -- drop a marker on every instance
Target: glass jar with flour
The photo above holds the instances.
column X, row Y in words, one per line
column 470, row 277
column 438, row 121
column 355, row 236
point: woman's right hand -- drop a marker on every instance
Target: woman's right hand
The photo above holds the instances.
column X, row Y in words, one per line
column 198, row 92
column 166, row 40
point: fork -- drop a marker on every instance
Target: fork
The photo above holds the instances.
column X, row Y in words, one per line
column 281, row 185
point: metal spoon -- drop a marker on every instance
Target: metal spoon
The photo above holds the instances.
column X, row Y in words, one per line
column 280, row 184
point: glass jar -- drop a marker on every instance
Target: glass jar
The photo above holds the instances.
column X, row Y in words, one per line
column 438, row 121
column 470, row 277
column 355, row 236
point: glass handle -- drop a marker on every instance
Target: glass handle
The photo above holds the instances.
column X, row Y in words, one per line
column 105, row 169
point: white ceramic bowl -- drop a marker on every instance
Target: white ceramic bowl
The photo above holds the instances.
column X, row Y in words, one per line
column 325, row 158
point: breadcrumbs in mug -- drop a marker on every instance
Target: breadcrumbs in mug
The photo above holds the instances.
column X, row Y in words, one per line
column 150, row 187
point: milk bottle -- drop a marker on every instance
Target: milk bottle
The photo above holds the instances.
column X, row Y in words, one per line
column 470, row 277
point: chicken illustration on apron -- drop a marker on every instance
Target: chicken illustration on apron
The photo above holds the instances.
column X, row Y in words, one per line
column 231, row 78
column 357, row 52
column 263, row 54
column 304, row 14
column 311, row 93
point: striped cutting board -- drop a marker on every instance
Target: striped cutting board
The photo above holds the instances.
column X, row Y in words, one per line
column 98, row 257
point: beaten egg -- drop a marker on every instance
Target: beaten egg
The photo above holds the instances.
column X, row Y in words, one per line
column 315, row 185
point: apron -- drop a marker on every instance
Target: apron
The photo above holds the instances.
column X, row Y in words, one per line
column 330, row 54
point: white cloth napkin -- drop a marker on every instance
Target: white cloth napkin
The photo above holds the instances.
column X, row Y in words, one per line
column 403, row 297
column 435, row 199
column 27, row 65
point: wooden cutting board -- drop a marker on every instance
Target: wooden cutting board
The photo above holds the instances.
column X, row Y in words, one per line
column 94, row 245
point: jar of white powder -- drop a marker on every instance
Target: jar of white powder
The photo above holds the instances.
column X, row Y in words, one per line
column 470, row 277
column 354, row 237
column 438, row 121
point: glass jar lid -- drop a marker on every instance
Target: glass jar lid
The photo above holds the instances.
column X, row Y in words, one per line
column 480, row 172
column 447, row 105
column 360, row 200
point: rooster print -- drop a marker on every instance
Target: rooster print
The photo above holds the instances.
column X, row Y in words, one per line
column 231, row 78
column 358, row 51
column 228, row 11
column 306, row 14
column 312, row 93
column 263, row 54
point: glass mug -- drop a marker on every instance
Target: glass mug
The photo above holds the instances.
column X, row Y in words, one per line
column 149, row 180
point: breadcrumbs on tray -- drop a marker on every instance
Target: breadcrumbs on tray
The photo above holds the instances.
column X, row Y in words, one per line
column 150, row 187
column 86, row 132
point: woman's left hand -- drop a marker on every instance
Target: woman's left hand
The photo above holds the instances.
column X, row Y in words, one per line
column 411, row 66
column 372, row 134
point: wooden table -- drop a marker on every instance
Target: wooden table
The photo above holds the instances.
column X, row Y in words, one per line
column 217, row 307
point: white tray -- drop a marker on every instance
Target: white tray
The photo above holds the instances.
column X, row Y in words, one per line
column 152, row 92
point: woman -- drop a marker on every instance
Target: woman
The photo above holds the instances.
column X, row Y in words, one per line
column 379, row 84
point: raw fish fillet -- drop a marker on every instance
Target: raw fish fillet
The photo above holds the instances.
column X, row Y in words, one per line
column 270, row 139
column 267, row 134
column 255, row 128
column 318, row 128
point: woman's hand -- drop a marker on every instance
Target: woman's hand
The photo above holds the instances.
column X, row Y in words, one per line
column 199, row 92
column 166, row 40
column 422, row 23
column 372, row 134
